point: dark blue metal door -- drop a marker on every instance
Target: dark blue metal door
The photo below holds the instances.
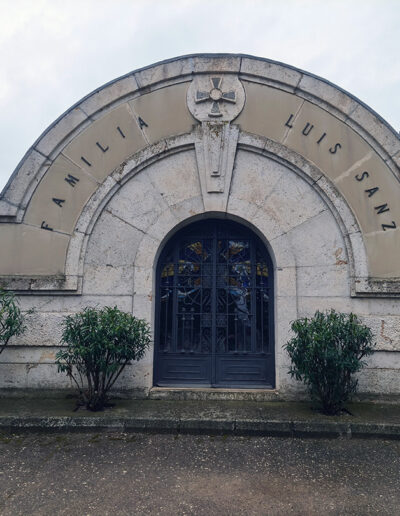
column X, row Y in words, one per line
column 214, row 320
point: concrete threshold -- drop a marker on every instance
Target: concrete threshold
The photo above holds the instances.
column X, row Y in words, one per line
column 364, row 420
column 209, row 394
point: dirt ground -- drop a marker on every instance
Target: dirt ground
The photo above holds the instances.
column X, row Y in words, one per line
column 144, row 474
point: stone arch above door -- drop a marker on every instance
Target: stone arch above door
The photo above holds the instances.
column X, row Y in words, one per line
column 124, row 238
column 215, row 107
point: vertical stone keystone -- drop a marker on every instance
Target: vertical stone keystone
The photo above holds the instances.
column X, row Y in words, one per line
column 216, row 100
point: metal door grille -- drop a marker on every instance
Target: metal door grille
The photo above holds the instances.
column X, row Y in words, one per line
column 214, row 308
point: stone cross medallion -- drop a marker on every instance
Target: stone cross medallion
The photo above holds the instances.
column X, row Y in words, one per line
column 215, row 97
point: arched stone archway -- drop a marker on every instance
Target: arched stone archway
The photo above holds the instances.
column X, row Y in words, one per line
column 305, row 165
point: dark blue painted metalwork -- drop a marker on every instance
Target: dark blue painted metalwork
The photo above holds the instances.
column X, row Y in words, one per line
column 214, row 318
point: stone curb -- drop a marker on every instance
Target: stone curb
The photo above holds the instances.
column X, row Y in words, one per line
column 202, row 426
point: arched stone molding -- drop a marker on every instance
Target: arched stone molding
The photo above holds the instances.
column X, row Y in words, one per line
column 269, row 226
column 144, row 101
column 124, row 239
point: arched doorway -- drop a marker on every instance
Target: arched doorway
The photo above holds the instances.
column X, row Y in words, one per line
column 214, row 317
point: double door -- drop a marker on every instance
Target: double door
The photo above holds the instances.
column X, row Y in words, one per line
column 214, row 323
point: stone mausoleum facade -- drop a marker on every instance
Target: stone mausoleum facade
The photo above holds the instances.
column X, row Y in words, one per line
column 219, row 197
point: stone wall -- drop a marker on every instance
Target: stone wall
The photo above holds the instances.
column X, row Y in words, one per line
column 141, row 158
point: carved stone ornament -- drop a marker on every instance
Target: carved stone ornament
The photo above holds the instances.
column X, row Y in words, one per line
column 215, row 100
column 215, row 97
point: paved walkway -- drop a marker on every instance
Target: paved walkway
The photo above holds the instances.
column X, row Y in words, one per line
column 218, row 417
column 116, row 473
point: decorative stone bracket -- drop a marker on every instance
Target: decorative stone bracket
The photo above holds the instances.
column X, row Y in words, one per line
column 215, row 152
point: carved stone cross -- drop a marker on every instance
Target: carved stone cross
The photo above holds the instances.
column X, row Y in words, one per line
column 216, row 95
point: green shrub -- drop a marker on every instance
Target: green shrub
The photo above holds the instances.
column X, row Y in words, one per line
column 100, row 343
column 326, row 352
column 11, row 320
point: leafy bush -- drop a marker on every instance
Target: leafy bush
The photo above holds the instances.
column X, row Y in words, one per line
column 100, row 343
column 326, row 352
column 11, row 320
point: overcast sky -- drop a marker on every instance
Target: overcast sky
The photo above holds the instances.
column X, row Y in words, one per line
column 54, row 52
